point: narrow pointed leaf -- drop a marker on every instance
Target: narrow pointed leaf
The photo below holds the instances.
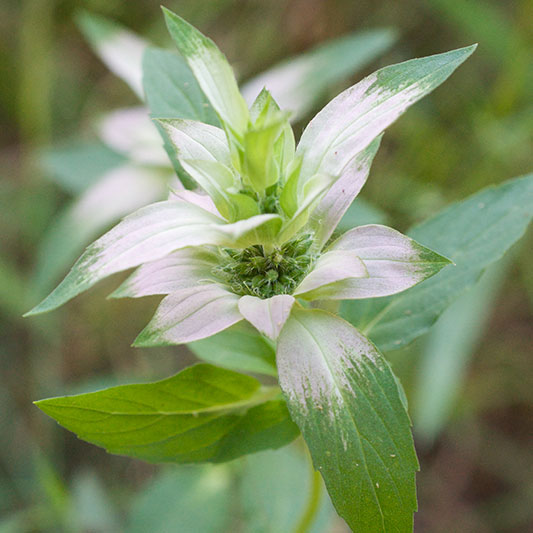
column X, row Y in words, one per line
column 393, row 262
column 172, row 90
column 211, row 70
column 182, row 419
column 352, row 120
column 269, row 315
column 132, row 133
column 191, row 314
column 77, row 165
column 299, row 82
column 474, row 233
column 119, row 192
column 344, row 397
column 120, row 49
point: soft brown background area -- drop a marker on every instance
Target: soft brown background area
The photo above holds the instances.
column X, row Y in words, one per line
column 475, row 130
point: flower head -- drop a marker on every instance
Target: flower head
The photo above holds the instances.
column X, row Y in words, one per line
column 257, row 234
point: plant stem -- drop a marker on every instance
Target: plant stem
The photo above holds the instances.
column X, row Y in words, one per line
column 313, row 503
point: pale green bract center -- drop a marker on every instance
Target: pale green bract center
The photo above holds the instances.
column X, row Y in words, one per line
column 257, row 272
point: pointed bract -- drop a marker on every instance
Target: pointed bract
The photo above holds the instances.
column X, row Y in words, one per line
column 191, row 314
column 212, row 71
column 267, row 316
column 352, row 120
column 393, row 261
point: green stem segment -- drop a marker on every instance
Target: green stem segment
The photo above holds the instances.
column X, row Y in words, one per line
column 313, row 504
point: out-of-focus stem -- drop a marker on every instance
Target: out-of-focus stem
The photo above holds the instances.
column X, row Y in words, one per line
column 313, row 503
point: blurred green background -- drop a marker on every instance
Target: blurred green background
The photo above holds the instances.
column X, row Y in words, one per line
column 469, row 382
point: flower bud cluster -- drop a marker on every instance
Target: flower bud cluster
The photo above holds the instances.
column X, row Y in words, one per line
column 258, row 272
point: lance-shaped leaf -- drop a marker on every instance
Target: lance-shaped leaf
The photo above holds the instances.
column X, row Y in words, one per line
column 332, row 266
column 332, row 207
column 191, row 314
column 393, row 262
column 186, row 418
column 299, row 82
column 211, row 70
column 119, row 192
column 179, row 270
column 78, row 165
column 269, row 315
column 173, row 92
column 474, row 233
column 149, row 234
column 344, row 397
column 352, row 120
column 120, row 49
column 132, row 133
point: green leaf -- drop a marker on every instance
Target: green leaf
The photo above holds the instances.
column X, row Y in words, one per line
column 188, row 500
column 172, row 90
column 299, row 82
column 187, row 418
column 474, row 233
column 211, row 70
column 343, row 395
column 451, row 343
column 77, row 165
column 238, row 348
column 120, row 49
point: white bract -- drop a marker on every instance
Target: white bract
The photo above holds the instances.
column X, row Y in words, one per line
column 257, row 235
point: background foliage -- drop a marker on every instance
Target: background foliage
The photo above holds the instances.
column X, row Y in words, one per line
column 469, row 381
